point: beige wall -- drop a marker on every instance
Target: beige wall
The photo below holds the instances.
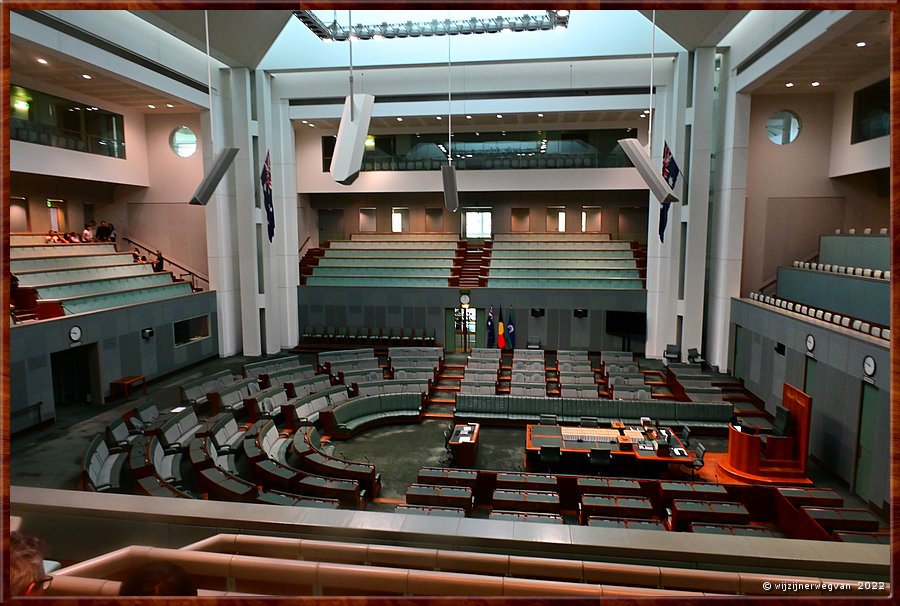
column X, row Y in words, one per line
column 791, row 200
column 159, row 216
column 624, row 213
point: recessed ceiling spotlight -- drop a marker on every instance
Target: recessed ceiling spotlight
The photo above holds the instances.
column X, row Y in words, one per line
column 789, row 84
column 399, row 119
column 816, row 83
column 468, row 117
column 169, row 105
column 540, row 115
column 86, row 76
column 151, row 106
column 42, row 61
column 643, row 115
column 860, row 44
column 477, row 134
column 439, row 117
column 304, row 121
column 95, row 109
column 499, row 115
column 311, row 125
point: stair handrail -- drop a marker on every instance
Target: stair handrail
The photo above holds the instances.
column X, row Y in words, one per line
column 194, row 275
column 302, row 246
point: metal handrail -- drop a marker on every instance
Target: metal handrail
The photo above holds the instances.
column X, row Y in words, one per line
column 187, row 271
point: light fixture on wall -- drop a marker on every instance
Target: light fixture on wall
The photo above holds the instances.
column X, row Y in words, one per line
column 147, row 333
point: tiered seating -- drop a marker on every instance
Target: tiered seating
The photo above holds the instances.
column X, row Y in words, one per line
column 64, row 279
column 195, row 392
column 255, row 369
column 397, row 260
column 268, row 452
column 555, row 260
column 231, row 397
column 346, row 419
column 523, row 410
column 807, row 312
column 102, row 469
column 306, row 446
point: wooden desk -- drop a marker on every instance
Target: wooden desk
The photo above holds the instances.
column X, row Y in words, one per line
column 442, row 496
column 447, row 477
column 615, row 507
column 526, row 500
column 123, row 386
column 527, row 481
column 609, row 486
column 464, row 444
column 685, row 512
column 694, row 491
column 832, row 519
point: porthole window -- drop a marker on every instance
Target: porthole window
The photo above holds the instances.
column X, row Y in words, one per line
column 183, row 141
column 783, row 127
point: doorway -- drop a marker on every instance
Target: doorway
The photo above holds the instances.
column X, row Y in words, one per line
column 76, row 376
column 331, row 224
column 865, row 441
column 460, row 330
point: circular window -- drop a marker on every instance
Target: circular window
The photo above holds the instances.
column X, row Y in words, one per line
column 183, row 141
column 783, row 127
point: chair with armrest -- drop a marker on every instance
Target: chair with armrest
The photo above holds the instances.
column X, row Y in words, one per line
column 685, row 435
column 550, row 457
column 599, row 459
column 672, row 353
column 697, row 462
column 694, row 356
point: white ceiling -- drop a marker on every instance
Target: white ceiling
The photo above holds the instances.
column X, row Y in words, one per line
column 696, row 28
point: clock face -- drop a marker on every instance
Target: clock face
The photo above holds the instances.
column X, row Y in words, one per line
column 75, row 333
column 464, row 299
column 869, row 366
column 810, row 342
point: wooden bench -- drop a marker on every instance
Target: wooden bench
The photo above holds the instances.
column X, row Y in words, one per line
column 123, row 386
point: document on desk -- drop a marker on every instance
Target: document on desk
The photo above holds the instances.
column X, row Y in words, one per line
column 679, row 452
column 465, row 438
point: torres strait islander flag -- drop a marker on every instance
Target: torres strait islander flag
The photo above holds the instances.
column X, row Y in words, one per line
column 490, row 327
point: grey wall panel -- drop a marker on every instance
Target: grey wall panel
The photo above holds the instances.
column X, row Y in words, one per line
column 120, row 347
column 856, row 251
column 397, row 308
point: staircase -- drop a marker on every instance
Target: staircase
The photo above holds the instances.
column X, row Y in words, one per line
column 309, row 261
column 470, row 267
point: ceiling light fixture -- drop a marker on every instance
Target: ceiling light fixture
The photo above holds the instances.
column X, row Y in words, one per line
column 439, row 117
column 86, row 76
column 860, row 44
column 468, row 117
column 169, row 105
column 540, row 115
column 399, row 119
column 151, row 106
column 543, row 21
column 499, row 115
column 42, row 61
column 789, row 84
column 816, row 83
column 304, row 121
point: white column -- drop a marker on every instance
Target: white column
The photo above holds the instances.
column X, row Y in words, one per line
column 696, row 214
column 221, row 231
column 663, row 257
column 728, row 221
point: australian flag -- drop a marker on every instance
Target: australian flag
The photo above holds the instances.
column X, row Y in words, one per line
column 670, row 174
column 266, row 179
column 490, row 327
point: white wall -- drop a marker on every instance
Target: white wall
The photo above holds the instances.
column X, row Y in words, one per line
column 847, row 158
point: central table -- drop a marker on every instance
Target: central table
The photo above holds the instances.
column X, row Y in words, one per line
column 641, row 444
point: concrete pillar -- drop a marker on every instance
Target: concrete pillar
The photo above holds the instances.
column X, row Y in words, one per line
column 726, row 248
